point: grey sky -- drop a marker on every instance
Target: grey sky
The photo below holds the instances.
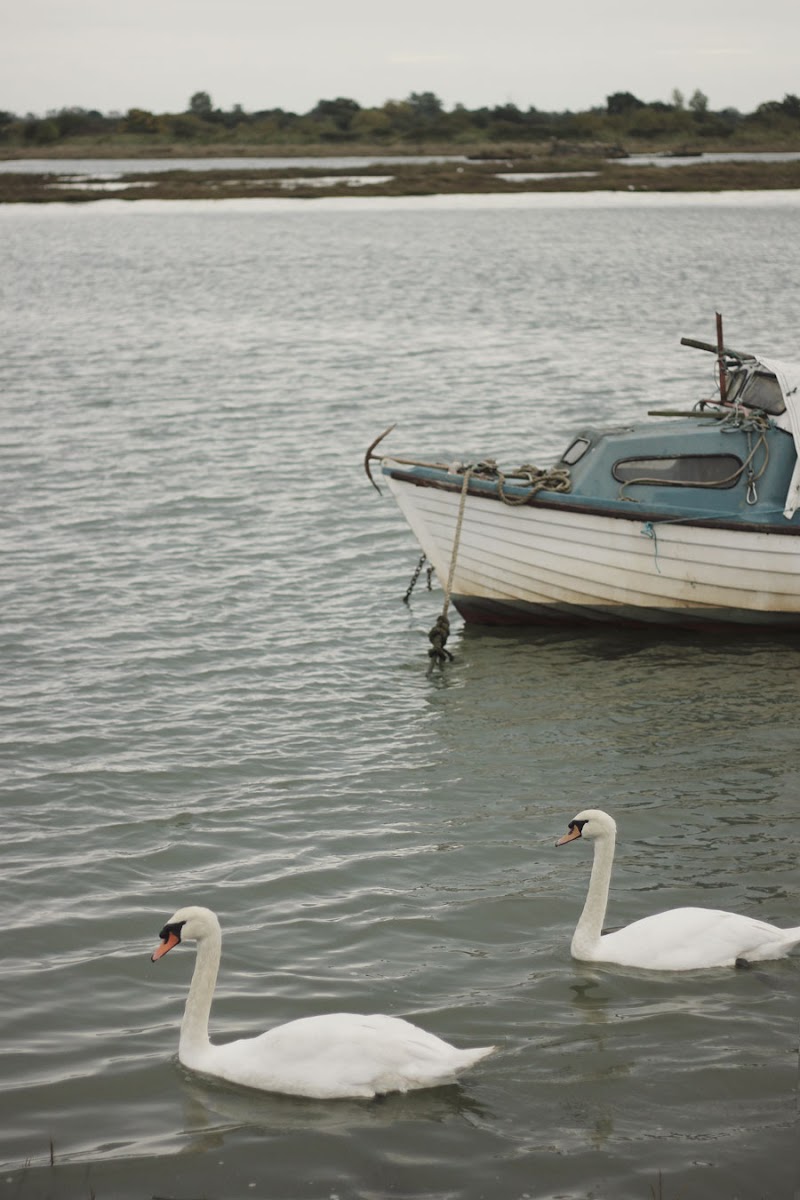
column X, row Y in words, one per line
column 563, row 54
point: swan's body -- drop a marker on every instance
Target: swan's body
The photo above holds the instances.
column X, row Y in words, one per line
column 325, row 1057
column 681, row 939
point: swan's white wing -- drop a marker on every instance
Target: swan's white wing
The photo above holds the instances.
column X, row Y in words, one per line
column 341, row 1054
column 685, row 939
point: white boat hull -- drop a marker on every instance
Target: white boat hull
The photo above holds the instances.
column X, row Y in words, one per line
column 541, row 563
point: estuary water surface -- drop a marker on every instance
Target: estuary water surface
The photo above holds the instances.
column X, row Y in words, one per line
column 213, row 693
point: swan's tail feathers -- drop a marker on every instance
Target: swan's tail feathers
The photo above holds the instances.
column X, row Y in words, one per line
column 779, row 948
column 459, row 1062
column 791, row 938
column 470, row 1057
column 793, row 935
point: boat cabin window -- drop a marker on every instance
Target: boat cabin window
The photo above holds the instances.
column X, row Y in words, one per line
column 575, row 451
column 685, row 470
column 756, row 389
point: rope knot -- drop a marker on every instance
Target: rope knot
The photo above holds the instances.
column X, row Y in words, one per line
column 438, row 637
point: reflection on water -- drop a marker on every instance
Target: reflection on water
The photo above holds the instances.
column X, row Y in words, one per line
column 206, row 1102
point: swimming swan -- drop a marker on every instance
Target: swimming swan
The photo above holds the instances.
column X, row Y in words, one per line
column 681, row 939
column 325, row 1057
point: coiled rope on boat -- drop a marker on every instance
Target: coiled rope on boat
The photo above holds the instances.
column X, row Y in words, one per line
column 535, row 479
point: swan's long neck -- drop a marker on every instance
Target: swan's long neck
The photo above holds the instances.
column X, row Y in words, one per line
column 194, row 1026
column 587, row 934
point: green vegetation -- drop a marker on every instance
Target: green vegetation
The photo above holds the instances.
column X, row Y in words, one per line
column 501, row 149
column 418, row 124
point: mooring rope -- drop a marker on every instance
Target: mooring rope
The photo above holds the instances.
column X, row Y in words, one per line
column 441, row 630
column 457, row 539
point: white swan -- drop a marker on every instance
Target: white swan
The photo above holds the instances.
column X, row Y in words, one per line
column 681, row 939
column 325, row 1057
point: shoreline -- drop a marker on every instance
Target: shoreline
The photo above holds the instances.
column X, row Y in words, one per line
column 464, row 176
column 138, row 147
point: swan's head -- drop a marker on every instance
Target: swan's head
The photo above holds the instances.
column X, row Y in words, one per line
column 190, row 924
column 591, row 823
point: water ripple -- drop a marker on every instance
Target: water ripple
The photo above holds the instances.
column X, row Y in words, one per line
column 212, row 692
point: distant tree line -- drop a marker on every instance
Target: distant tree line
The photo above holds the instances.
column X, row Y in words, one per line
column 418, row 120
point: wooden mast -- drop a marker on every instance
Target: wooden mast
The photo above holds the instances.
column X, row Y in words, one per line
column 723, row 381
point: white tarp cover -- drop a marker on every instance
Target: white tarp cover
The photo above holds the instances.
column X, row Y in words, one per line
column 788, row 377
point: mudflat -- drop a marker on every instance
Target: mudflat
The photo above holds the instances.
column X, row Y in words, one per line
column 466, row 175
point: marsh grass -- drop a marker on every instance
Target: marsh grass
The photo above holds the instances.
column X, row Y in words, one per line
column 573, row 174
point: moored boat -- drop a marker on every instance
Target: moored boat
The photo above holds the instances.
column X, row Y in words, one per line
column 689, row 520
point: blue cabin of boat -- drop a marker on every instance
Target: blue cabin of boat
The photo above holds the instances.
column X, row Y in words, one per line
column 734, row 461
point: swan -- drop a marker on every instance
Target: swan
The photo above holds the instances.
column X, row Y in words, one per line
column 681, row 939
column 324, row 1057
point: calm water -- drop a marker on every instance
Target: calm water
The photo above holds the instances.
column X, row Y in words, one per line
column 100, row 167
column 120, row 166
column 212, row 692
column 682, row 160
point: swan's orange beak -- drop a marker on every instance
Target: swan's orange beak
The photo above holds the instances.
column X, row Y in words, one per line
column 170, row 941
column 574, row 832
